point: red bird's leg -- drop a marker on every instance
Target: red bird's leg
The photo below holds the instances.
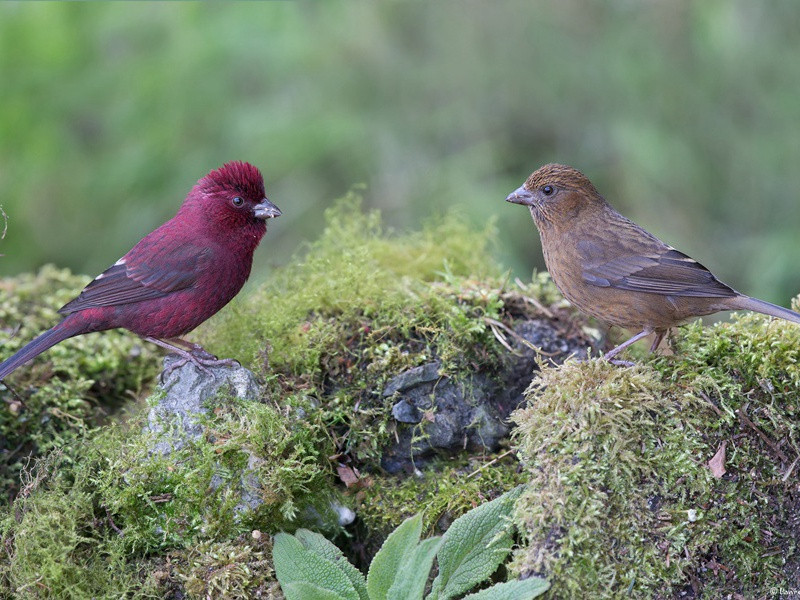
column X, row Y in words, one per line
column 204, row 356
column 196, row 349
column 612, row 353
column 197, row 355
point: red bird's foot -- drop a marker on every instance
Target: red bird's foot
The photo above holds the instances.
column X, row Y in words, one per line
column 196, row 355
column 200, row 363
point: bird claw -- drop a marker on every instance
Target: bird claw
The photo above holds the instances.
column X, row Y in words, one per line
column 621, row 363
column 200, row 359
column 202, row 354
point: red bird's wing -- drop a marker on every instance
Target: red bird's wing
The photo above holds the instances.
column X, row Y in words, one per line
column 135, row 278
column 670, row 273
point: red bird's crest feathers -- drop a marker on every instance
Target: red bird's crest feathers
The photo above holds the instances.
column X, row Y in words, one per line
column 235, row 176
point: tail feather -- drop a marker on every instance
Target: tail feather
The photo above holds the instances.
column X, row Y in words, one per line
column 46, row 340
column 756, row 305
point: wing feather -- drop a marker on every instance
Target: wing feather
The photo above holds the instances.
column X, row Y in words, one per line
column 133, row 280
column 668, row 272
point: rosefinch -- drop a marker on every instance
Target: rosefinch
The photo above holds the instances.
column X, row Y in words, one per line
column 612, row 269
column 177, row 276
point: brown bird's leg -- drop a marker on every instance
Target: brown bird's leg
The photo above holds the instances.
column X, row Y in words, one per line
column 202, row 362
column 612, row 353
column 660, row 333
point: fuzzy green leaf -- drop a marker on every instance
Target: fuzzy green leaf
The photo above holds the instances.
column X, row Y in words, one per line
column 395, row 551
column 321, row 546
column 474, row 546
column 519, row 589
column 413, row 575
column 294, row 563
column 302, row 590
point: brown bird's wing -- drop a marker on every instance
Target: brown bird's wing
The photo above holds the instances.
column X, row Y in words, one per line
column 132, row 279
column 662, row 271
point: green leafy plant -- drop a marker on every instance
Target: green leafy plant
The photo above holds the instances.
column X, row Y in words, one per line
column 309, row 567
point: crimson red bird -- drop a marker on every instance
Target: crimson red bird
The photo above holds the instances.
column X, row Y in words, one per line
column 177, row 276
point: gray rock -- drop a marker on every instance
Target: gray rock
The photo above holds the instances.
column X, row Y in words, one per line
column 186, row 390
column 174, row 419
column 412, row 378
column 405, row 412
column 438, row 415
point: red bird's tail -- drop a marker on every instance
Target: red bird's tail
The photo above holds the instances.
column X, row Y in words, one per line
column 48, row 339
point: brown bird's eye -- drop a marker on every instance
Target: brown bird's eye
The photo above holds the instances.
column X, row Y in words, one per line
column 548, row 190
column 237, row 201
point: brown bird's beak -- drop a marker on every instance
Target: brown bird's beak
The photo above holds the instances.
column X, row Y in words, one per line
column 266, row 210
column 521, row 196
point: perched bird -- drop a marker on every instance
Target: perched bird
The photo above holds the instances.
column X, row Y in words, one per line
column 177, row 276
column 612, row 269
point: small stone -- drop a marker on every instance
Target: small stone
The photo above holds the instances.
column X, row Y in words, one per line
column 256, row 534
column 412, row 378
column 186, row 390
column 405, row 412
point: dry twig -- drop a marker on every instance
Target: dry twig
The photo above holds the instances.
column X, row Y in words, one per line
column 745, row 420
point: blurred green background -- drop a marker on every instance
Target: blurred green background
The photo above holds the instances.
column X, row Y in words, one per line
column 684, row 114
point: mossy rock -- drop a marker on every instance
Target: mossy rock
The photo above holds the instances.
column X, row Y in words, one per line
column 622, row 501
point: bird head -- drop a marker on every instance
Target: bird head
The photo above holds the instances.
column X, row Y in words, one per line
column 556, row 192
column 231, row 198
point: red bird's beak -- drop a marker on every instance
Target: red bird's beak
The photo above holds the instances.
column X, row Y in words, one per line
column 521, row 196
column 266, row 210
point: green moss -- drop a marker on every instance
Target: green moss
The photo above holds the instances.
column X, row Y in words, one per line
column 58, row 543
column 239, row 569
column 353, row 272
column 99, row 518
column 621, row 500
column 70, row 388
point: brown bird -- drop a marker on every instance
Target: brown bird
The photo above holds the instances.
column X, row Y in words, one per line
column 612, row 269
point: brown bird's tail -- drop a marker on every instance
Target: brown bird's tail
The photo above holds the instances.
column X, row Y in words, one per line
column 756, row 305
column 48, row 339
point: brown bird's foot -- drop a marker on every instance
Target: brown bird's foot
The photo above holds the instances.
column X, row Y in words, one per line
column 197, row 355
column 622, row 363
column 612, row 353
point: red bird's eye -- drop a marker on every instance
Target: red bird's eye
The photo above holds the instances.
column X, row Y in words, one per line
column 237, row 201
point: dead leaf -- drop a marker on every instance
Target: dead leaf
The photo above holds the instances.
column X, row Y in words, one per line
column 717, row 463
column 348, row 475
